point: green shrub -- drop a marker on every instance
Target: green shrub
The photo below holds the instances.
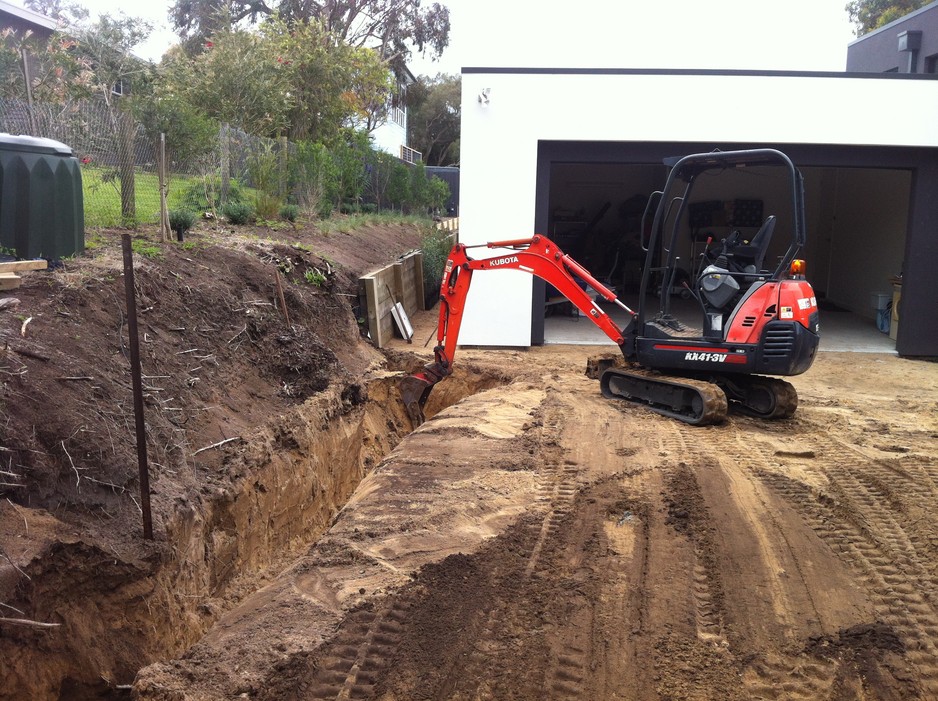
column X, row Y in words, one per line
column 436, row 245
column 266, row 205
column 238, row 212
column 438, row 195
column 314, row 179
column 204, row 194
column 289, row 212
column 181, row 220
column 324, row 208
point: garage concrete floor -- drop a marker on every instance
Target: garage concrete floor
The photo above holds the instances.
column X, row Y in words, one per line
column 840, row 331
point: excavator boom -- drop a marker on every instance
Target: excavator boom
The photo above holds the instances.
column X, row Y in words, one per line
column 538, row 256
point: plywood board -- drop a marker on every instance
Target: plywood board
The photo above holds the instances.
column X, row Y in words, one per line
column 403, row 323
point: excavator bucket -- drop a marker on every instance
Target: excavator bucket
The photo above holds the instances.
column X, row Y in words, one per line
column 414, row 392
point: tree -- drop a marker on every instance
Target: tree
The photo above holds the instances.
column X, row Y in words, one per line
column 868, row 15
column 394, row 28
column 240, row 78
column 106, row 46
column 433, row 117
column 334, row 85
column 189, row 133
column 56, row 72
column 63, row 11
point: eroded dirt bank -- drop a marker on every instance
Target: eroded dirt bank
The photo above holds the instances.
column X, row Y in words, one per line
column 259, row 431
column 537, row 541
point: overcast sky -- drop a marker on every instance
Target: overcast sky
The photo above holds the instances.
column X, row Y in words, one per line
column 804, row 35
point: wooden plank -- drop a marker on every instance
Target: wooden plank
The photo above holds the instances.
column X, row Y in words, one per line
column 398, row 286
column 12, row 266
column 9, row 281
column 419, row 287
column 371, row 294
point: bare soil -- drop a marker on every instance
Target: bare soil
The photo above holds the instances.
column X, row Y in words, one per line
column 532, row 540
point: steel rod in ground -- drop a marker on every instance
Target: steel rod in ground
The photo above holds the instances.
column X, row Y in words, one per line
column 137, row 380
column 283, row 302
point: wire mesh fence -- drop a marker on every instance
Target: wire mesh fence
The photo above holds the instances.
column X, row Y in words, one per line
column 119, row 162
column 230, row 172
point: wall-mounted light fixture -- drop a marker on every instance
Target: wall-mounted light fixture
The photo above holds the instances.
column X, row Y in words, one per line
column 484, row 96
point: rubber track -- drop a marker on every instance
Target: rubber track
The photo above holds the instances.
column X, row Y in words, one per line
column 786, row 398
column 712, row 397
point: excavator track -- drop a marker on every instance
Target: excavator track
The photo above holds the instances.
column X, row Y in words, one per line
column 695, row 402
column 762, row 397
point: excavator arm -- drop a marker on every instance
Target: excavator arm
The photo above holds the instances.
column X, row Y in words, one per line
column 537, row 255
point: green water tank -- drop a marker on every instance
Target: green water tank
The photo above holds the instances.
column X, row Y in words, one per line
column 41, row 207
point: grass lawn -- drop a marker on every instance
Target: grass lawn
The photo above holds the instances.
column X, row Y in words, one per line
column 101, row 191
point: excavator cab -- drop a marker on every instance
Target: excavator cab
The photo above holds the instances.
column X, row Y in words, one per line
column 750, row 315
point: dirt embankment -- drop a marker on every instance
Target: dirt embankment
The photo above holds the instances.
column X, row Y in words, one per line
column 287, row 408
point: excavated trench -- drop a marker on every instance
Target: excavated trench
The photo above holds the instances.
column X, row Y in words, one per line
column 294, row 476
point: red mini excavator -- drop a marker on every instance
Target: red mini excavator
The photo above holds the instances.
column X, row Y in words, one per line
column 756, row 321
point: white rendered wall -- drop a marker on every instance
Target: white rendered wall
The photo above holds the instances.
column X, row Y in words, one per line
column 500, row 136
column 389, row 137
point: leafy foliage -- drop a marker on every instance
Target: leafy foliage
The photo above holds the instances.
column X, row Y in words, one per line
column 349, row 157
column 436, row 245
column 107, row 45
column 238, row 212
column 189, row 132
column 395, row 27
column 236, row 80
column 332, row 83
column 314, row 179
column 433, row 118
column 57, row 73
column 181, row 220
column 868, row 15
column 205, row 193
column 267, row 171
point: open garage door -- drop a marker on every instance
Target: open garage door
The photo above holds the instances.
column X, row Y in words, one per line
column 857, row 221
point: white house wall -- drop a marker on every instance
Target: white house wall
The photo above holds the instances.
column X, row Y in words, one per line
column 501, row 131
column 389, row 137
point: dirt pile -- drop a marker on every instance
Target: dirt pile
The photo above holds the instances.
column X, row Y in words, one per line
column 285, row 407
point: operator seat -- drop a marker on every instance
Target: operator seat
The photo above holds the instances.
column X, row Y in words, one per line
column 718, row 287
column 748, row 257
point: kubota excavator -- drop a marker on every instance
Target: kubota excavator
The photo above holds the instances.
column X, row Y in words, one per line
column 756, row 321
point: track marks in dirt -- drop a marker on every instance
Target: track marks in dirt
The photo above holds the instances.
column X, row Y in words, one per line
column 359, row 655
column 547, row 610
column 855, row 517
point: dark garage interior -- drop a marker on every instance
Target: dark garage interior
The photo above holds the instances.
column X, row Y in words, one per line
column 859, row 202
